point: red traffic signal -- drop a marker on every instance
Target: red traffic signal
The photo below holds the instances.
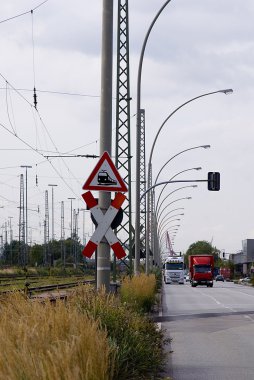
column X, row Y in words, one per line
column 213, row 181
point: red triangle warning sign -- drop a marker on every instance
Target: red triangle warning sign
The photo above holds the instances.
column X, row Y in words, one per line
column 105, row 176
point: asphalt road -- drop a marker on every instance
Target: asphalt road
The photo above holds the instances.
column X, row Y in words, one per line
column 212, row 331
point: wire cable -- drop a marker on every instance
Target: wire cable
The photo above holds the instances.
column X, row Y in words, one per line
column 24, row 13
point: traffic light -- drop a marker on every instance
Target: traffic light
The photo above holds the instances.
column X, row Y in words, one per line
column 213, row 181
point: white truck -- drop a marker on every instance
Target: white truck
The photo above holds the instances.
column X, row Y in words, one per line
column 173, row 270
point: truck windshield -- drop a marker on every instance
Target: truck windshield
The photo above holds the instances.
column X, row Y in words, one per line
column 202, row 268
column 174, row 266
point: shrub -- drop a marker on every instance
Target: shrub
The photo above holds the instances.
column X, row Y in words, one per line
column 158, row 277
column 139, row 292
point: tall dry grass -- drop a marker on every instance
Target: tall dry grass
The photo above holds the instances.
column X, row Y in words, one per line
column 136, row 341
column 139, row 291
column 45, row 342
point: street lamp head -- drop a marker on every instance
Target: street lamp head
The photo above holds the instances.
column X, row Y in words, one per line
column 188, row 197
column 206, row 146
column 199, row 168
column 227, row 91
column 194, row 186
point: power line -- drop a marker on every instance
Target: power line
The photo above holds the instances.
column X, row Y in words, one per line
column 24, row 13
column 57, row 92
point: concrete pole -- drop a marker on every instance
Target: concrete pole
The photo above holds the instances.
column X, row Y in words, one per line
column 103, row 264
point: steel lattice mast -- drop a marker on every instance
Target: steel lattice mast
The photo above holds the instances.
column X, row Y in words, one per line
column 22, row 250
column 142, row 176
column 62, row 234
column 123, row 144
column 47, row 259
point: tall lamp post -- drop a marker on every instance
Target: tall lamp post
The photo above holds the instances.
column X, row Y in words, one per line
column 147, row 229
column 149, row 175
column 138, row 138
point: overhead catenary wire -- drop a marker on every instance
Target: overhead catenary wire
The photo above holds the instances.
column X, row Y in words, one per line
column 57, row 92
column 31, row 147
column 7, row 109
column 34, row 94
column 43, row 124
column 24, row 13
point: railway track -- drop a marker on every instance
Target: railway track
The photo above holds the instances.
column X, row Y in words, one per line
column 30, row 291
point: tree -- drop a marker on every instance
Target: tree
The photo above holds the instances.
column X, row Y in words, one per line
column 202, row 247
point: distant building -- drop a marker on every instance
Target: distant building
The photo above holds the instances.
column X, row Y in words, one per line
column 243, row 261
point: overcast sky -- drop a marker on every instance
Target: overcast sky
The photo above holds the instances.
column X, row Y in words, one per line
column 195, row 47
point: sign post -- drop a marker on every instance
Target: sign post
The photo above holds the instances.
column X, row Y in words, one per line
column 104, row 221
column 104, row 178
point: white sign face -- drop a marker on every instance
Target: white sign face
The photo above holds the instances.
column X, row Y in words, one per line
column 105, row 176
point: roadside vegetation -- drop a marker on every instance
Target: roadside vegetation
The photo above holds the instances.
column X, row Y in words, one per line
column 93, row 335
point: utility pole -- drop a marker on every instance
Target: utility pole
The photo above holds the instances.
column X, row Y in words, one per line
column 62, row 235
column 103, row 267
column 123, row 138
column 75, row 218
column 10, row 218
column 26, row 221
column 52, row 186
column 71, row 199
column 22, row 242
column 47, row 259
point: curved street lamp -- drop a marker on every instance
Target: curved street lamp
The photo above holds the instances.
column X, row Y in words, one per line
column 166, row 222
column 175, row 230
column 157, row 209
column 163, row 221
column 178, row 154
column 225, row 91
column 176, row 200
column 147, row 245
column 138, row 138
column 183, row 171
column 165, row 218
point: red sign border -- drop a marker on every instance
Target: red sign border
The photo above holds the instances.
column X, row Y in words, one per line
column 105, row 156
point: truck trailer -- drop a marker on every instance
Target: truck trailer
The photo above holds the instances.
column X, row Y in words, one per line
column 226, row 273
column 201, row 268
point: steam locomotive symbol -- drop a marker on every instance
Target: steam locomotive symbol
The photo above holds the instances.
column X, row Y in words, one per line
column 104, row 178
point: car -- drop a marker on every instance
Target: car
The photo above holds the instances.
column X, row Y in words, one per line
column 219, row 278
column 245, row 280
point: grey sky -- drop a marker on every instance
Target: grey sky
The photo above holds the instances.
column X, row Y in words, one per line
column 195, row 47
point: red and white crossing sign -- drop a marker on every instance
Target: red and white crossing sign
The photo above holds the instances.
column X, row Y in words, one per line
column 104, row 225
column 105, row 176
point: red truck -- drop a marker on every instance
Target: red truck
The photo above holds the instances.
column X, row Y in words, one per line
column 201, row 269
column 226, row 273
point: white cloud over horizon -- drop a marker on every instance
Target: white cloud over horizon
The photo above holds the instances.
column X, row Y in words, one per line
column 195, row 47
